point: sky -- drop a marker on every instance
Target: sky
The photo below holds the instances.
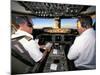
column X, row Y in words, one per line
column 69, row 23
column 49, row 22
column 43, row 22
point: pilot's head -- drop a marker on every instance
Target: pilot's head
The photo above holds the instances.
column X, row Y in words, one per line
column 24, row 24
column 83, row 23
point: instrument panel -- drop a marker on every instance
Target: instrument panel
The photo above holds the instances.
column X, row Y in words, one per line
column 57, row 30
column 61, row 38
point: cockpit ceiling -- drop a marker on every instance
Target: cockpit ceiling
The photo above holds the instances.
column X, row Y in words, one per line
column 42, row 9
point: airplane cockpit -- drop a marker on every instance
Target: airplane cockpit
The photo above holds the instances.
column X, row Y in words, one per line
column 52, row 22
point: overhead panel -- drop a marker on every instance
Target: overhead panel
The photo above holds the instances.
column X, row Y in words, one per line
column 44, row 9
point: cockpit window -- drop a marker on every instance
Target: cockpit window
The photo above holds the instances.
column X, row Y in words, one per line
column 40, row 23
column 69, row 23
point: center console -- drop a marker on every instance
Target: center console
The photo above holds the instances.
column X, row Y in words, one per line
column 56, row 60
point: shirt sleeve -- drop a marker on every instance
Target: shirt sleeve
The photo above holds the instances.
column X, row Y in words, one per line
column 74, row 50
column 33, row 48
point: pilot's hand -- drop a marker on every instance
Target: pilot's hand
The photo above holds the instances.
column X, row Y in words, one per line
column 48, row 46
column 49, row 50
column 42, row 46
column 46, row 49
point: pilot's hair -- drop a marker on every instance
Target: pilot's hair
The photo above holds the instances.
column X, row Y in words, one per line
column 20, row 19
column 23, row 19
column 86, row 21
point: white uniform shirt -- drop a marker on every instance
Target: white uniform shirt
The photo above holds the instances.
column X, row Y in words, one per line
column 31, row 46
column 83, row 51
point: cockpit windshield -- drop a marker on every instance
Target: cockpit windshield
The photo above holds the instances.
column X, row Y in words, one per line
column 40, row 23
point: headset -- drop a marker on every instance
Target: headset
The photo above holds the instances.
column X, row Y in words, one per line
column 86, row 21
column 21, row 19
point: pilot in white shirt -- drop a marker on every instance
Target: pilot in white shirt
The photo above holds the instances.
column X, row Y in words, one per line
column 83, row 50
column 25, row 29
column 31, row 46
